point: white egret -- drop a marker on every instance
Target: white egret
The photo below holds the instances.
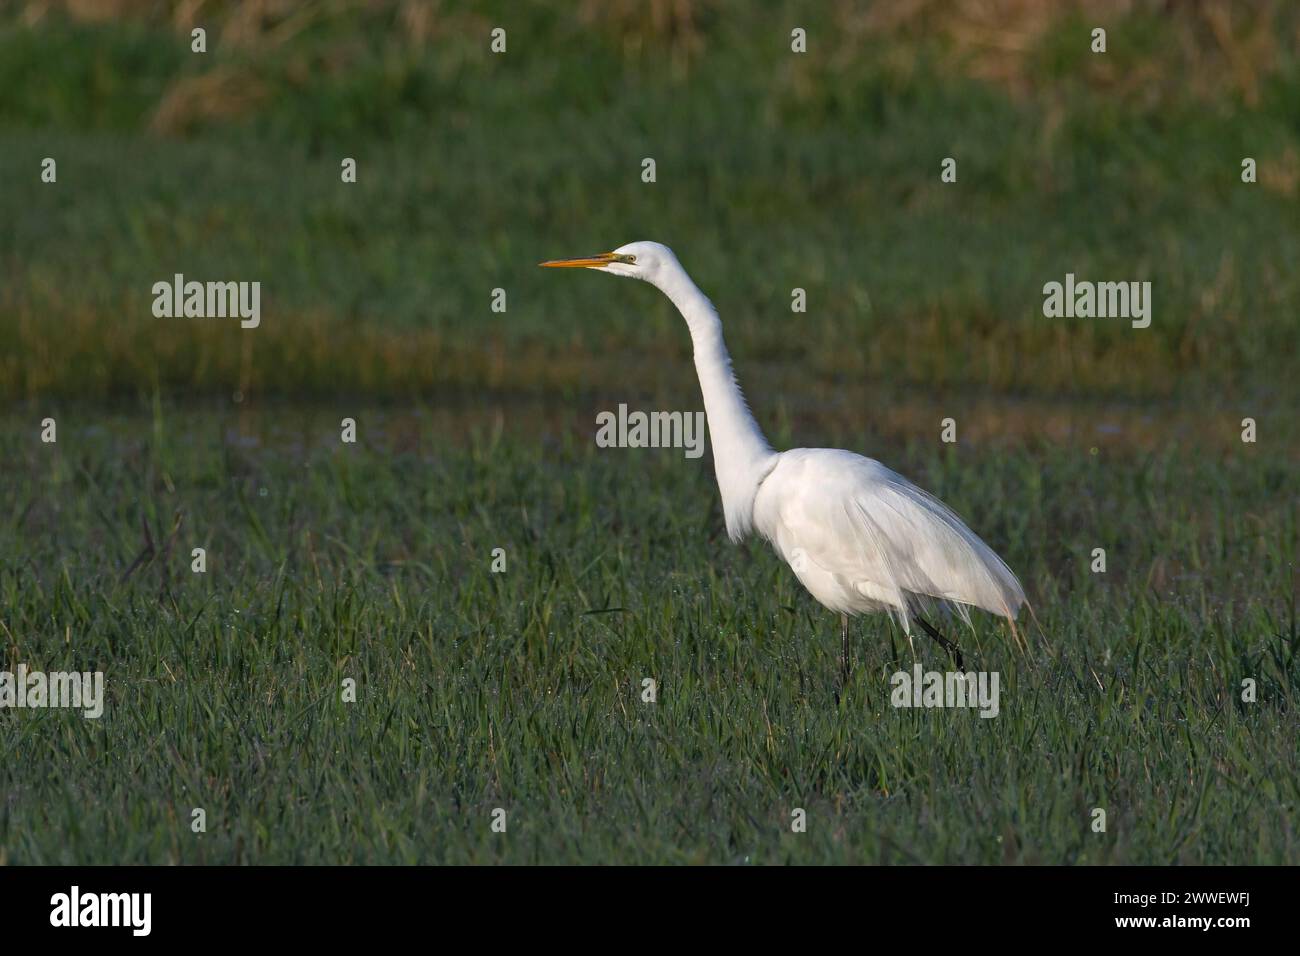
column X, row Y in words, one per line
column 859, row 537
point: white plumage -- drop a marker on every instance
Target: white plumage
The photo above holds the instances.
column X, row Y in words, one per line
column 863, row 538
column 860, row 537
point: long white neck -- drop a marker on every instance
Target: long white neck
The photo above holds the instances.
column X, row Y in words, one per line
column 741, row 455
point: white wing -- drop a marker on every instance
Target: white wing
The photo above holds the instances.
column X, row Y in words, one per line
column 868, row 539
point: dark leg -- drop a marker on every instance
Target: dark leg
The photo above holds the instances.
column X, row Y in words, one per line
column 947, row 645
column 844, row 652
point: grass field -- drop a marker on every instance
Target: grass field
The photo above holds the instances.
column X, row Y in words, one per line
column 522, row 690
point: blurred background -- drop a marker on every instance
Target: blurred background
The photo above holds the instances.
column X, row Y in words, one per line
column 775, row 171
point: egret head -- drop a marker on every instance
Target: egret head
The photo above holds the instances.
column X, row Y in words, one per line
column 648, row 261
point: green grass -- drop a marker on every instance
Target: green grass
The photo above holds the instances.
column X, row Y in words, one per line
column 521, row 689
column 775, row 171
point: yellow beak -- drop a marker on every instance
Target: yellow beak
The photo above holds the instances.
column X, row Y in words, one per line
column 586, row 262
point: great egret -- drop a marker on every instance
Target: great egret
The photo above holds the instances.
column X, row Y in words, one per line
column 859, row 537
